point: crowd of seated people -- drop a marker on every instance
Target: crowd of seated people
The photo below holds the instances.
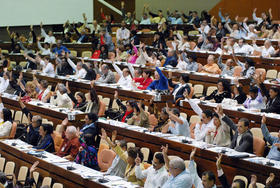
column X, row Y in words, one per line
column 170, row 49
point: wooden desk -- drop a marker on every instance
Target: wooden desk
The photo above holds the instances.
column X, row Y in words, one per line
column 272, row 123
column 52, row 115
column 205, row 159
column 58, row 174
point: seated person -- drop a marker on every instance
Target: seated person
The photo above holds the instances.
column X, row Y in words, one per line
column 156, row 175
column 87, row 155
column 107, row 76
column 79, row 99
column 80, row 72
column 143, row 81
column 255, row 100
column 140, row 117
column 219, row 94
column 4, row 82
column 273, row 102
column 125, row 78
column 206, row 123
column 60, row 98
column 171, row 59
column 127, row 109
column 211, row 67
column 93, row 102
column 46, row 142
column 179, row 89
column 227, row 68
column 70, row 145
column 44, row 92
column 274, row 152
column 208, row 178
column 129, row 158
column 248, row 68
column 238, row 94
column 180, row 176
column 160, row 83
column 60, row 48
column 178, row 125
column 242, row 140
column 266, row 50
column 219, row 136
column 5, row 120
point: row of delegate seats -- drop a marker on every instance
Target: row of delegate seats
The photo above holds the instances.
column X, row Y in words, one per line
column 9, row 169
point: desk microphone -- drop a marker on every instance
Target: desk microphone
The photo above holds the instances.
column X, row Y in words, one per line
column 14, row 143
column 269, row 163
column 70, row 167
column 41, row 155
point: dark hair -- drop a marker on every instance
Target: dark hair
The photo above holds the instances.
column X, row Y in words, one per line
column 133, row 151
column 159, row 157
column 254, row 89
column 7, row 73
column 208, row 113
column 139, row 70
column 80, row 94
column 211, row 176
column 123, row 143
column 93, row 117
column 215, row 115
column 89, row 140
column 245, row 121
column 249, row 61
column 176, row 111
column 137, row 107
column 164, row 111
column 226, row 85
column 48, row 128
column 132, row 103
column 185, row 78
column 275, row 89
column 93, row 96
column 44, row 83
column 240, row 182
column 3, row 178
column 193, row 56
column 7, row 115
column 149, row 73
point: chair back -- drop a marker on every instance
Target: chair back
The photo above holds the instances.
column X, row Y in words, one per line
column 57, row 139
column 102, row 108
column 47, row 181
column 2, row 163
column 243, row 178
column 237, row 71
column 146, row 153
column 57, row 185
column 106, row 158
column 258, row 146
column 22, row 174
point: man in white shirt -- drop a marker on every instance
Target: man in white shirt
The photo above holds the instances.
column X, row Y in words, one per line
column 255, row 100
column 204, row 27
column 94, row 27
column 123, row 34
column 242, row 48
column 178, row 125
column 4, row 82
column 49, row 38
column 155, row 175
column 80, row 72
column 267, row 50
column 44, row 50
column 206, row 124
column 125, row 78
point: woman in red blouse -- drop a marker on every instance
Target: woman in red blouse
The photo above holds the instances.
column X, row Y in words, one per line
column 145, row 80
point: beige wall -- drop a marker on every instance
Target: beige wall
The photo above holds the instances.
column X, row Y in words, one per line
column 180, row 5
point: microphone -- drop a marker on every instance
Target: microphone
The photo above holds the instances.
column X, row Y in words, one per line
column 14, row 143
column 41, row 154
column 70, row 167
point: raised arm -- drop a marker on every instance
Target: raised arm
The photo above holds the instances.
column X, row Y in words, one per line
column 195, row 107
column 131, row 69
column 117, row 69
column 43, row 32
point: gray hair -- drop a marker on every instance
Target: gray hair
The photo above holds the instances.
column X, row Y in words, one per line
column 177, row 163
column 62, row 88
column 71, row 129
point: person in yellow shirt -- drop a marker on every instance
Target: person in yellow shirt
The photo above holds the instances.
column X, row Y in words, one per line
column 211, row 67
column 129, row 158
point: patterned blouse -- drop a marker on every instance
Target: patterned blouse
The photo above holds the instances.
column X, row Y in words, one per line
column 88, row 156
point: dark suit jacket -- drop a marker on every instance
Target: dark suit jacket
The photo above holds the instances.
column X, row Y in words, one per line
column 223, row 181
column 273, row 105
column 246, row 142
column 181, row 91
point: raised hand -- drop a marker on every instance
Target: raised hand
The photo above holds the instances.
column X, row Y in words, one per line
column 218, row 161
column 269, row 180
column 34, row 167
column 192, row 154
column 103, row 134
column 116, row 95
column 164, row 149
column 41, row 24
column 263, row 119
column 114, row 135
column 137, row 160
column 255, row 10
column 253, row 180
column 65, row 122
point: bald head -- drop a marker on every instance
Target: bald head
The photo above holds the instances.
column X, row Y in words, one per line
column 70, row 132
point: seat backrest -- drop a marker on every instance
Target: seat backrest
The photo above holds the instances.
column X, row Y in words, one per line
column 2, row 163
column 194, row 119
column 192, row 127
column 257, row 132
column 9, row 168
column 57, row 138
column 57, row 185
column 262, row 72
column 36, row 176
column 102, row 146
column 22, row 174
column 106, row 158
column 130, row 144
column 210, row 89
column 198, row 89
column 13, row 130
column 117, row 76
column 241, row 178
column 146, row 153
column 237, row 71
column 102, row 108
column 87, row 54
column 258, row 146
column 259, row 185
column 74, row 53
column 47, row 181
column 184, row 115
column 271, row 74
column 278, row 75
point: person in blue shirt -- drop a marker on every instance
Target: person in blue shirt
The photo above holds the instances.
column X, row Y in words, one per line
column 46, row 141
column 171, row 59
column 59, row 48
column 274, row 152
column 180, row 176
column 160, row 82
